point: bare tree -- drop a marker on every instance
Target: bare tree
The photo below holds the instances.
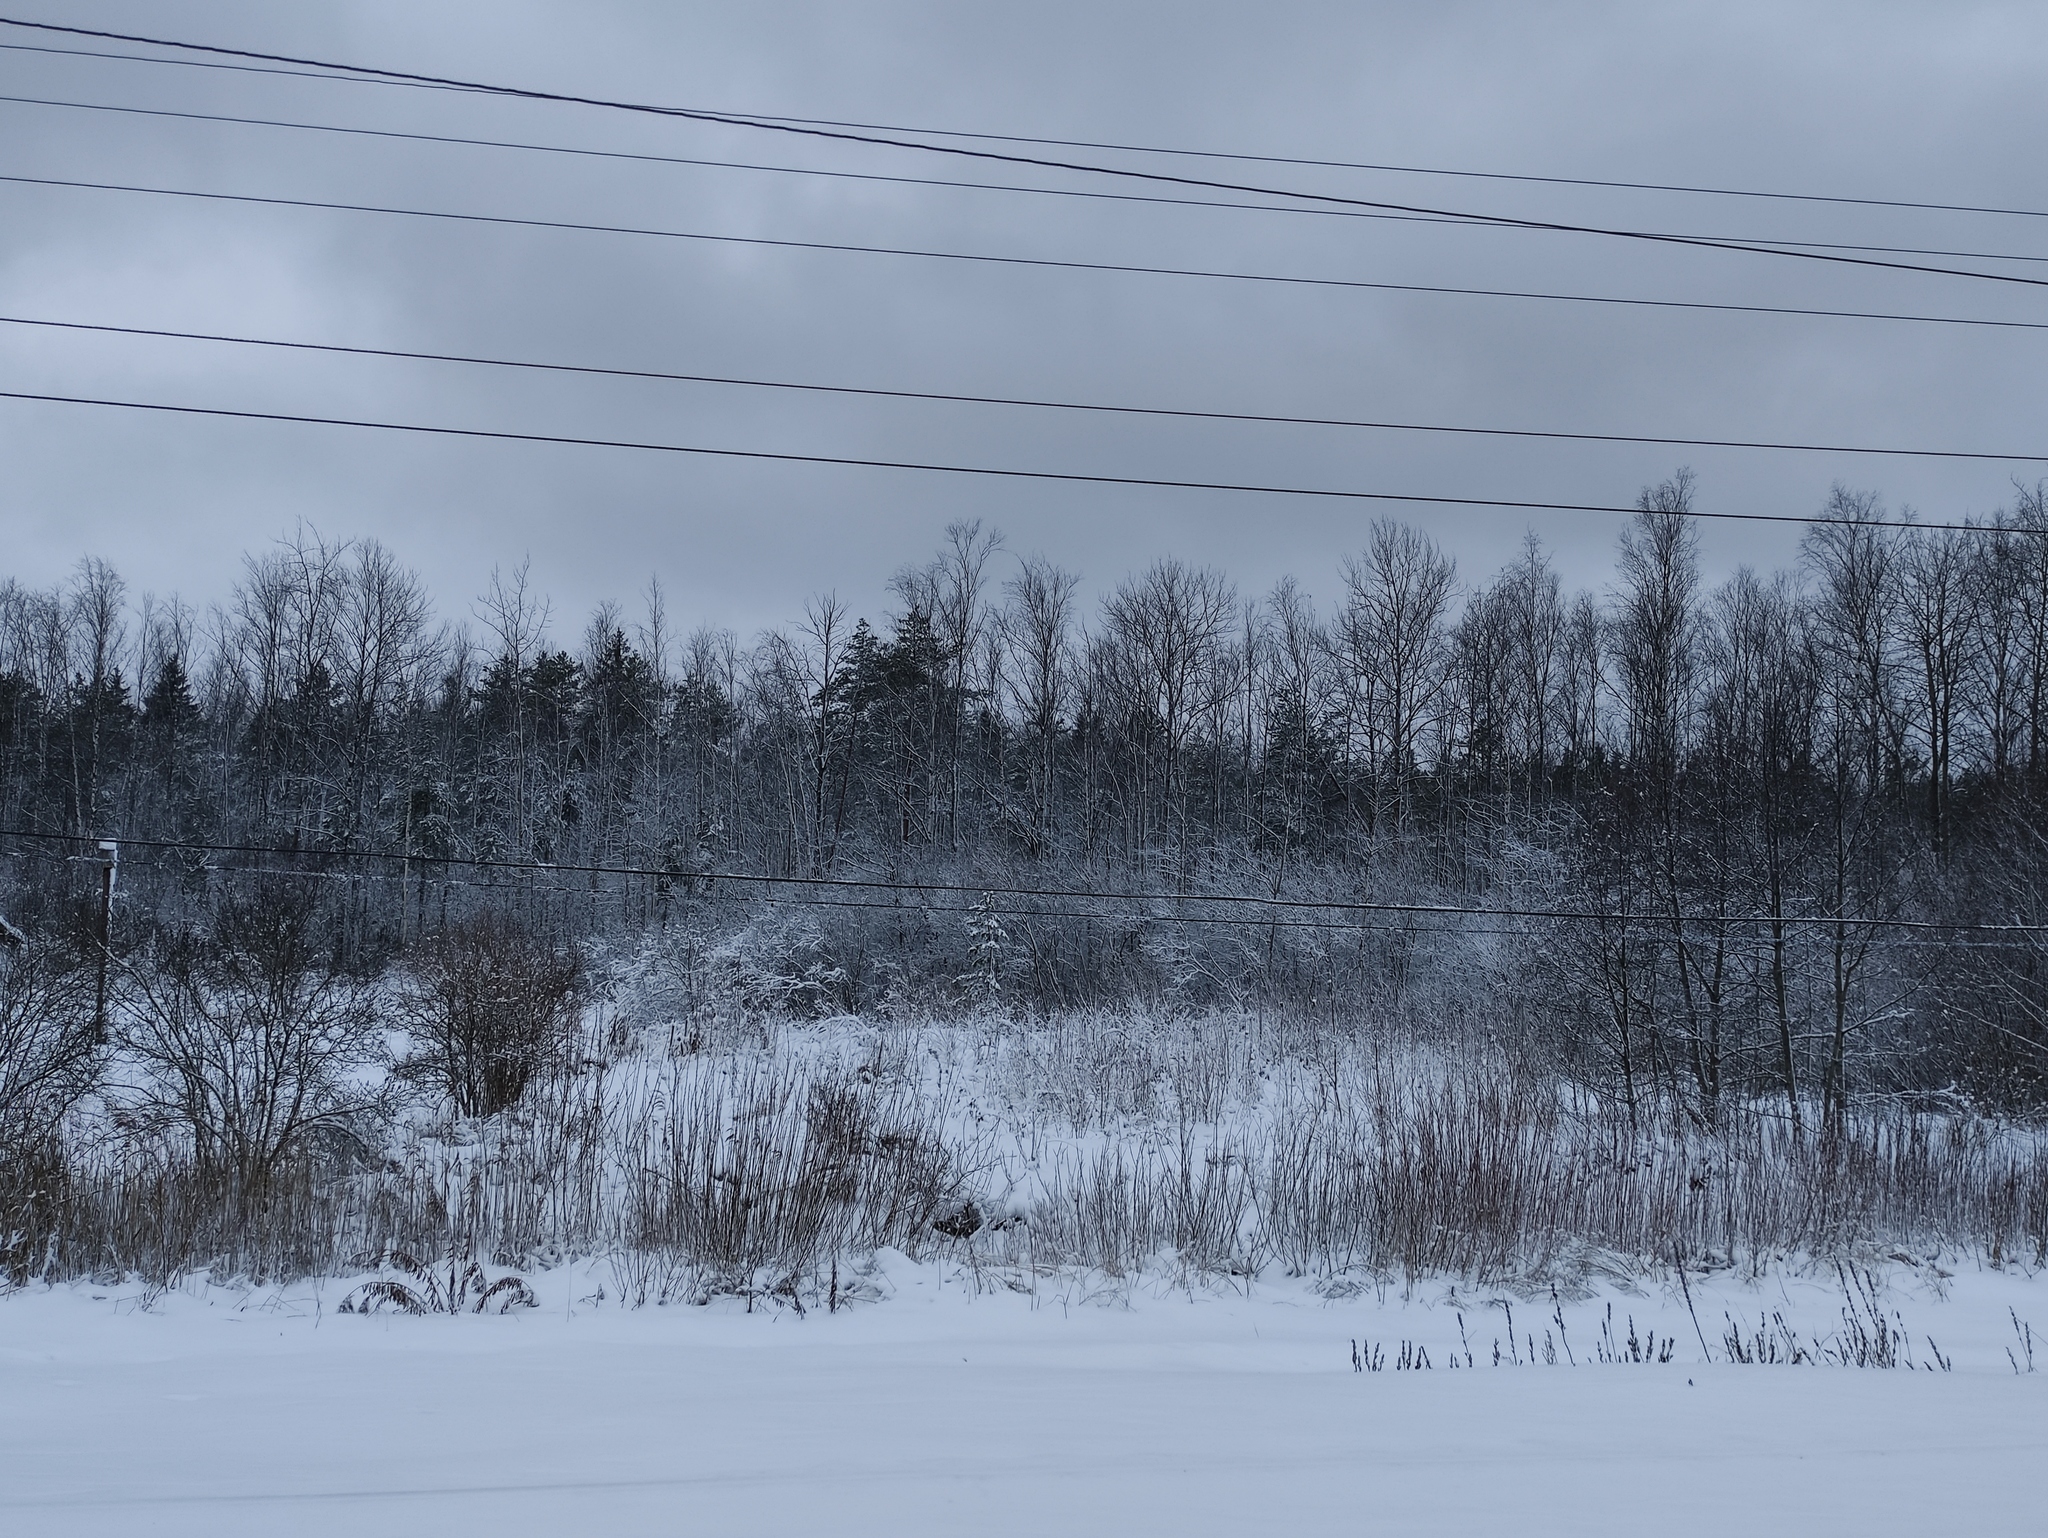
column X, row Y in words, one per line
column 1656, row 638
column 1856, row 635
column 949, row 593
column 1169, row 625
column 249, row 1040
column 518, row 617
column 50, row 1048
column 380, row 645
column 1855, row 561
column 1935, row 618
column 1761, row 684
column 706, row 718
column 1537, row 619
column 1300, row 708
column 1395, row 646
column 2029, row 521
column 1995, row 693
column 1656, row 623
column 1583, row 665
column 655, row 645
column 800, row 684
column 98, row 600
column 1486, row 699
column 1037, row 628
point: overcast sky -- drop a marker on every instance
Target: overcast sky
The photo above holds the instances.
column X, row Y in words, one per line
column 1940, row 103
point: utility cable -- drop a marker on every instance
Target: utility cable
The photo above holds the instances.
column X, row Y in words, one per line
column 1045, row 163
column 919, row 910
column 1633, row 922
column 1044, row 262
column 864, row 883
column 1688, row 189
column 1079, row 193
column 875, row 392
column 1073, row 477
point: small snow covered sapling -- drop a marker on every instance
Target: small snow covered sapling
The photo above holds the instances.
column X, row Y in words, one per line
column 986, row 940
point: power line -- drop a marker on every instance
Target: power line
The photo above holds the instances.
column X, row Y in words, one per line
column 1044, row 262
column 868, row 391
column 998, row 472
column 218, row 65
column 868, row 883
column 877, row 138
column 927, row 911
column 1407, row 170
column 1689, row 189
column 920, row 910
column 649, row 158
column 1085, row 194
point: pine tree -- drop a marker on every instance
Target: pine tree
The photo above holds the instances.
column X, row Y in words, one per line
column 986, row 941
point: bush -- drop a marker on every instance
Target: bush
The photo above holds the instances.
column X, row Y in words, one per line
column 253, row 1043
column 491, row 1004
column 49, row 1046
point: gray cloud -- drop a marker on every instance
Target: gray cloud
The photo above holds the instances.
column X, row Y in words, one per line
column 1937, row 103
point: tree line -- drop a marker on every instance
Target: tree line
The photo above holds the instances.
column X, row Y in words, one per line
column 1776, row 814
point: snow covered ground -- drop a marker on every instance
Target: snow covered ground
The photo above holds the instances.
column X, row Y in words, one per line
column 941, row 1409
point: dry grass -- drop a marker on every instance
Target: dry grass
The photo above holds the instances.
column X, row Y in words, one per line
column 1113, row 1143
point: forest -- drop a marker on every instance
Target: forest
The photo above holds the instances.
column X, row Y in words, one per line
column 1765, row 854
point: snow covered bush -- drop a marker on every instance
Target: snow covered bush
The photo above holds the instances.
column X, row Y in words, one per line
column 490, row 1004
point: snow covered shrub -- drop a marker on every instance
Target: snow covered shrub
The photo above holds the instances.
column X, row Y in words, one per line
column 464, row 1290
column 786, row 968
column 982, row 982
column 492, row 1004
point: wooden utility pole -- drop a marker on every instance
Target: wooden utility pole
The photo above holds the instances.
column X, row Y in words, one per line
column 405, row 874
column 110, row 864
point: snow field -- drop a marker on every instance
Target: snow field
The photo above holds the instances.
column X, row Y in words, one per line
column 1130, row 1408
